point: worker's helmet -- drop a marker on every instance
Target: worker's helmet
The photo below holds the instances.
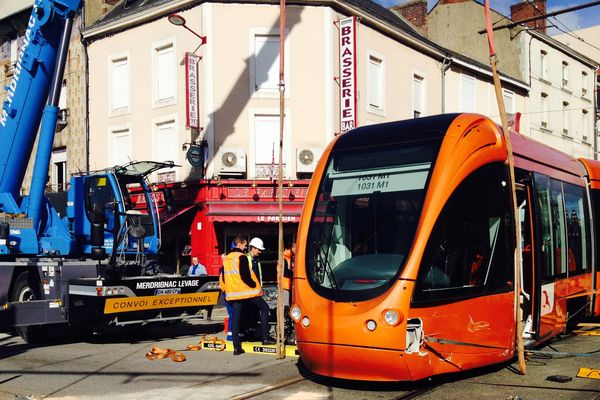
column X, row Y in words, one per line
column 258, row 243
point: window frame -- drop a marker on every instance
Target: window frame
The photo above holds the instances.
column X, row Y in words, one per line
column 172, row 119
column 509, row 105
column 464, row 78
column 113, row 59
column 287, row 150
column 418, row 76
column 566, row 118
column 545, row 101
column 544, row 65
column 376, row 59
column 268, row 93
column 59, row 156
column 119, row 130
column 565, row 75
column 156, row 50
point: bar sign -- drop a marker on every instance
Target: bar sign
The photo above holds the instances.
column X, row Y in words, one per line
column 191, row 79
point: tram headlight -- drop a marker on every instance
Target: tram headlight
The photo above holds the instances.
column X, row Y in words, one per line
column 371, row 325
column 392, row 317
column 305, row 322
column 295, row 313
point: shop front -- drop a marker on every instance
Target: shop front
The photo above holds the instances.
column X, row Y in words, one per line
column 241, row 207
column 202, row 218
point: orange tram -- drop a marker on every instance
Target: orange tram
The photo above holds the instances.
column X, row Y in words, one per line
column 405, row 263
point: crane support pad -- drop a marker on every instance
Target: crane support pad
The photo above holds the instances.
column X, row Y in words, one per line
column 591, row 373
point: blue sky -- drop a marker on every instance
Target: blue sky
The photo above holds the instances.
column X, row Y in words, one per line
column 573, row 20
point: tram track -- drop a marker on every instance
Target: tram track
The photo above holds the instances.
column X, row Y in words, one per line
column 270, row 388
column 412, row 394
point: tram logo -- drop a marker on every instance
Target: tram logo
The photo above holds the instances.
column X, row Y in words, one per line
column 547, row 299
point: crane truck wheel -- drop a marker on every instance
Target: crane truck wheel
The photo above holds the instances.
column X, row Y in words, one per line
column 26, row 289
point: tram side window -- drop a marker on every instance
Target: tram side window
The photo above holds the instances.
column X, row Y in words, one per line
column 469, row 249
column 558, row 228
column 543, row 195
column 565, row 240
column 578, row 232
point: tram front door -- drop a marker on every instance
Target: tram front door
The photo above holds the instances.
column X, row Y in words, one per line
column 526, row 270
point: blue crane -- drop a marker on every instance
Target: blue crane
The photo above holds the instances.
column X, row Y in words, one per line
column 75, row 268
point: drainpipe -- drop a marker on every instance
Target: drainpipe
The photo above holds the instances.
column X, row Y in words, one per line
column 596, row 111
column 445, row 66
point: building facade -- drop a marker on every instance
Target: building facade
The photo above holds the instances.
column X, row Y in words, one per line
column 139, row 102
column 70, row 148
column 586, row 41
column 560, row 107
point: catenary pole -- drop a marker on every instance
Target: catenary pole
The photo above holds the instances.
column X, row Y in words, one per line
column 511, row 167
column 280, row 347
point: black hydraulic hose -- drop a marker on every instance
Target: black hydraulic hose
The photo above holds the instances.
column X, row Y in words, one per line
column 59, row 70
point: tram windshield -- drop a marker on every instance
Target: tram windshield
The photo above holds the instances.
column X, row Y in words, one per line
column 365, row 218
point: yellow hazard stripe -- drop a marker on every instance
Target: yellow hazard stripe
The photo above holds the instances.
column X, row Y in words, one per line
column 126, row 304
column 258, row 348
column 587, row 333
column 592, row 373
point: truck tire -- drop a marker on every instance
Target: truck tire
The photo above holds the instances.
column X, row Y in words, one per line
column 27, row 289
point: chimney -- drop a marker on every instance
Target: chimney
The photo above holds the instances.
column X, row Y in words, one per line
column 415, row 12
column 529, row 9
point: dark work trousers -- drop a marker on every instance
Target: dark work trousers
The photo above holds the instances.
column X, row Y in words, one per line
column 258, row 302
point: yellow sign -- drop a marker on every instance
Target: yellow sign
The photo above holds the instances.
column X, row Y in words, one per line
column 587, row 333
column 591, row 373
column 125, row 304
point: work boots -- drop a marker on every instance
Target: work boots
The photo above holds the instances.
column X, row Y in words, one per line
column 238, row 350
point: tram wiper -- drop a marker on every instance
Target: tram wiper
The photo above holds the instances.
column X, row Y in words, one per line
column 323, row 262
column 323, row 245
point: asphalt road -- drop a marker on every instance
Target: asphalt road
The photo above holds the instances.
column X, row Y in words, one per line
column 114, row 366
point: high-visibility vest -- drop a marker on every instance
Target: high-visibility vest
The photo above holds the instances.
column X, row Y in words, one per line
column 286, row 283
column 236, row 288
column 252, row 267
column 221, row 280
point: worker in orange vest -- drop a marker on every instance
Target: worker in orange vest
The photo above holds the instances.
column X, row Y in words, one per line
column 289, row 252
column 243, row 287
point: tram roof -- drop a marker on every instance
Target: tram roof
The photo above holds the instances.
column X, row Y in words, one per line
column 527, row 150
column 530, row 149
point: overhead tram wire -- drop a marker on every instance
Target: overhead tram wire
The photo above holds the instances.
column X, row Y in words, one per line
column 573, row 35
column 547, row 15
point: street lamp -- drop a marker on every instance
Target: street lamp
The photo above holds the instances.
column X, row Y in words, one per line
column 178, row 20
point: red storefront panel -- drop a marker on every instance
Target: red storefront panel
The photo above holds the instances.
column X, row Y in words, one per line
column 253, row 212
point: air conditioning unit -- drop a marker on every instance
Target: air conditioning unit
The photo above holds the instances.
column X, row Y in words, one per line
column 233, row 161
column 307, row 158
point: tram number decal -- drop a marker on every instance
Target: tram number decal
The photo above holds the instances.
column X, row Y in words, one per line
column 373, row 182
column 547, row 299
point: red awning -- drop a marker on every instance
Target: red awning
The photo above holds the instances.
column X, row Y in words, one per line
column 170, row 217
column 253, row 212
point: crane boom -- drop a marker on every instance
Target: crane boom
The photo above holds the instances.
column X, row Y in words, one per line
column 27, row 93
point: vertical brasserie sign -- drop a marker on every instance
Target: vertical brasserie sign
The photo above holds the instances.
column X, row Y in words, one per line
column 347, row 74
column 191, row 79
